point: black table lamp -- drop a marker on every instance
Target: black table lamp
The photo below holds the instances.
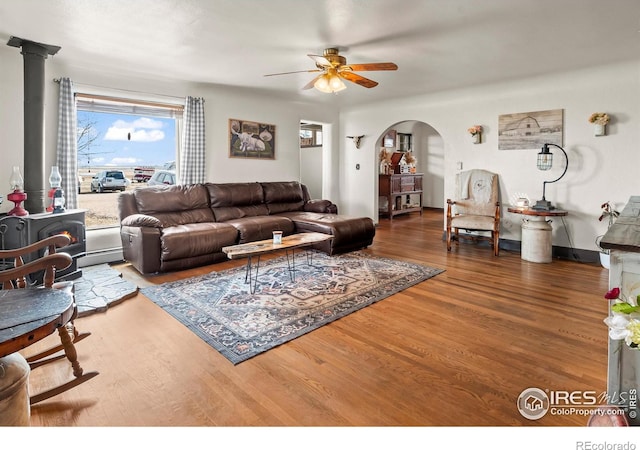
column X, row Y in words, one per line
column 545, row 161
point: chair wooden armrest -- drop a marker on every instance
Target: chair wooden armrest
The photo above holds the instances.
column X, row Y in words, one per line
column 52, row 243
column 16, row 277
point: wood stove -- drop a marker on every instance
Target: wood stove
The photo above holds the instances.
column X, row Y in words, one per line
column 16, row 232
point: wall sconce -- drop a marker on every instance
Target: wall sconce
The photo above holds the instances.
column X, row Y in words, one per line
column 545, row 162
column 329, row 82
column 356, row 140
column 476, row 133
column 18, row 195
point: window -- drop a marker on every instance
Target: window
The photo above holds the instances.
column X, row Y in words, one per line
column 119, row 175
column 118, row 136
column 310, row 135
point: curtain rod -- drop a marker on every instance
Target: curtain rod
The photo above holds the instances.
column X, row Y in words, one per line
column 57, row 80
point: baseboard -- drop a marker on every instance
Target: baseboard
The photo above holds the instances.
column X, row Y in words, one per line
column 557, row 252
column 101, row 257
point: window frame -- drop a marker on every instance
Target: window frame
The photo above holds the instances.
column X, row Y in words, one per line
column 87, row 101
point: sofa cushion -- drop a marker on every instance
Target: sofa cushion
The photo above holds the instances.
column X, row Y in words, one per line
column 195, row 239
column 261, row 227
column 282, row 196
column 346, row 230
column 156, row 199
column 175, row 205
column 236, row 200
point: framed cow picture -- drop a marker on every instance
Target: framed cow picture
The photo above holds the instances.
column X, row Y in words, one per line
column 249, row 139
column 530, row 130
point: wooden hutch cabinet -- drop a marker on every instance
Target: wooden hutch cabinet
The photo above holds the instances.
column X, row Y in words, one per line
column 400, row 190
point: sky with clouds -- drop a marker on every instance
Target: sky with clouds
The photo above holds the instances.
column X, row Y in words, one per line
column 127, row 140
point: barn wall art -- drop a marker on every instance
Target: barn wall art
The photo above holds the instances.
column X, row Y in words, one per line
column 530, row 130
column 249, row 139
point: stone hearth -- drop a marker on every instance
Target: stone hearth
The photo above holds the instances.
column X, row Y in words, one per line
column 99, row 288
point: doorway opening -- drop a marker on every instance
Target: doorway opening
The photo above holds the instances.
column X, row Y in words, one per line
column 427, row 147
column 312, row 138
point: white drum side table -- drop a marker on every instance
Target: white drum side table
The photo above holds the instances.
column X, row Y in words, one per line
column 537, row 244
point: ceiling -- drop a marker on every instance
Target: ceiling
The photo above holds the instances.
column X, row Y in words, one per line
column 437, row 44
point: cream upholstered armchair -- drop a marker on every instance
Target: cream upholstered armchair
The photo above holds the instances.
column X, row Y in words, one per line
column 476, row 207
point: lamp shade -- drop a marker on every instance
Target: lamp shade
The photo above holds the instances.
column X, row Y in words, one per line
column 322, row 84
column 55, row 179
column 329, row 83
column 545, row 158
column 16, row 182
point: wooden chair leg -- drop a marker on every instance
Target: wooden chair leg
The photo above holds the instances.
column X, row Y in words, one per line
column 72, row 355
column 37, row 359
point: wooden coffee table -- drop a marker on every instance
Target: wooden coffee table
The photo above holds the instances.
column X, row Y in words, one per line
column 259, row 248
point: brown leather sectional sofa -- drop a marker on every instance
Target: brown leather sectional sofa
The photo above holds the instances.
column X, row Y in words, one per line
column 166, row 228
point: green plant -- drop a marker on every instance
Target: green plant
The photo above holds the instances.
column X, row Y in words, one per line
column 610, row 215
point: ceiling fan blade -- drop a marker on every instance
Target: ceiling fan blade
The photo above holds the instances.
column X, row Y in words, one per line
column 358, row 79
column 295, row 71
column 321, row 60
column 310, row 84
column 372, row 66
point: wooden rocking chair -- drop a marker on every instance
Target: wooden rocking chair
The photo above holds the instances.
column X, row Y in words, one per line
column 18, row 277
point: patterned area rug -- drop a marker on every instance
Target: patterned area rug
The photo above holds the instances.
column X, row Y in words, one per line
column 220, row 309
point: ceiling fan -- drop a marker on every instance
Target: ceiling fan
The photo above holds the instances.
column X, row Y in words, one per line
column 334, row 68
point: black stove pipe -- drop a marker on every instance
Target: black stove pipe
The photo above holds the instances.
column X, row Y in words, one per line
column 34, row 55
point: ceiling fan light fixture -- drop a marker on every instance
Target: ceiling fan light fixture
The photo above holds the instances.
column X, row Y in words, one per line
column 322, row 84
column 329, row 83
column 333, row 70
column 336, row 84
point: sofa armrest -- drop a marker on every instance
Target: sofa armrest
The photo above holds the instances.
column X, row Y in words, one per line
column 141, row 220
column 141, row 247
column 321, row 206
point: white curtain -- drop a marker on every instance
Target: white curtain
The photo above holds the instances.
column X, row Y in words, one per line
column 192, row 168
column 67, row 147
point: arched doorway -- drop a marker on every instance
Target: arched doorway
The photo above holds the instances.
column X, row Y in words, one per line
column 427, row 146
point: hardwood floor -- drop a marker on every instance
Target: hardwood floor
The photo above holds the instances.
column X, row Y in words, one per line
column 457, row 349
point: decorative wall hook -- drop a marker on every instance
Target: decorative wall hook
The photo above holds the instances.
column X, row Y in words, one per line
column 356, row 140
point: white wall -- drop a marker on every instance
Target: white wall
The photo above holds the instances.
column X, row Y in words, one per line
column 221, row 104
column 600, row 168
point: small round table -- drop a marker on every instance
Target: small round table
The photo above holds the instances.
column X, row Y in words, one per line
column 537, row 245
column 28, row 316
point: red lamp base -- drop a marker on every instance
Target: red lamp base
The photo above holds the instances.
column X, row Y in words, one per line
column 17, row 197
